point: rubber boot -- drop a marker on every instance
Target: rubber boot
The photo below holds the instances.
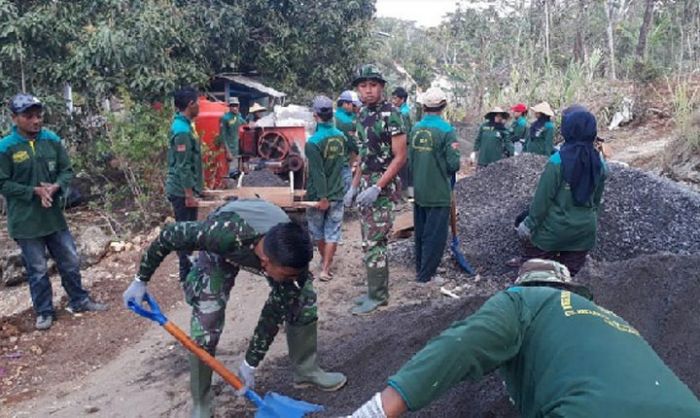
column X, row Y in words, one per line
column 360, row 300
column 200, row 387
column 302, row 343
column 377, row 291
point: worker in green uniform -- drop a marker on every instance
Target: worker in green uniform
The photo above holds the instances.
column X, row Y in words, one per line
column 492, row 141
column 229, row 124
column 518, row 127
column 560, row 355
column 399, row 98
column 347, row 106
column 35, row 173
column 563, row 217
column 434, row 159
column 325, row 153
column 184, row 181
column 257, row 236
column 382, row 154
column 540, row 139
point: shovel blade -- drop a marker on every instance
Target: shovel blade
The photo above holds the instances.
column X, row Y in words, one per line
column 459, row 257
column 275, row 405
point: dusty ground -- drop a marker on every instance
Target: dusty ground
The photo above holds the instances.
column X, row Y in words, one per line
column 116, row 364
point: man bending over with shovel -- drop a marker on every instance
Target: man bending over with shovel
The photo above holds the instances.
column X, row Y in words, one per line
column 560, row 354
column 257, row 236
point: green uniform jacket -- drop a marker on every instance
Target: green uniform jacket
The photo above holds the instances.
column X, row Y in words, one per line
column 434, row 157
column 24, row 166
column 518, row 129
column 347, row 123
column 379, row 124
column 232, row 232
column 325, row 153
column 228, row 131
column 492, row 144
column 560, row 356
column 184, row 159
column 542, row 142
column 555, row 223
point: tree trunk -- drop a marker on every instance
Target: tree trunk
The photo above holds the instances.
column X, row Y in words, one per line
column 611, row 41
column 582, row 23
column 644, row 30
column 546, row 32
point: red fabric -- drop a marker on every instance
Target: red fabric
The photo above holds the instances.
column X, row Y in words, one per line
column 520, row 107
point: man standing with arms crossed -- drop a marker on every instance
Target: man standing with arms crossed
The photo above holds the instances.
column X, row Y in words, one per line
column 184, row 180
column 382, row 155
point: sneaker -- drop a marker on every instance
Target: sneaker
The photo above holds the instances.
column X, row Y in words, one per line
column 43, row 322
column 88, row 305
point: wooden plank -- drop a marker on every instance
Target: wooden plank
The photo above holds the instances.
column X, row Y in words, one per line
column 403, row 225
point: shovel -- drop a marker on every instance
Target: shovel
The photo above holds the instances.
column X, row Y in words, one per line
column 454, row 245
column 272, row 406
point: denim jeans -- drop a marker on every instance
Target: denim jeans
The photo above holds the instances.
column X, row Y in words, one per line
column 183, row 214
column 62, row 249
column 346, row 172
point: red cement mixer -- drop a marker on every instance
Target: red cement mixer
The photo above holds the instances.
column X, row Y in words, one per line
column 278, row 148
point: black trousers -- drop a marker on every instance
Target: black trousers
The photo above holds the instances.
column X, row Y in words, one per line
column 430, row 226
column 183, row 214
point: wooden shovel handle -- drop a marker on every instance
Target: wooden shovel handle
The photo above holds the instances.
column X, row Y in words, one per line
column 453, row 216
column 202, row 354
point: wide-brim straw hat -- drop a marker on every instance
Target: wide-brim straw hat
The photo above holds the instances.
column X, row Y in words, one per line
column 257, row 108
column 495, row 111
column 543, row 108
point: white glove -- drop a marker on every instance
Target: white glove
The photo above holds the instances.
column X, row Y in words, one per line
column 472, row 157
column 135, row 292
column 350, row 196
column 369, row 196
column 523, row 231
column 371, row 409
column 247, row 373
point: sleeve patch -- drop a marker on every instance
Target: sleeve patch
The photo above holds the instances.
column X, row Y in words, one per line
column 181, row 148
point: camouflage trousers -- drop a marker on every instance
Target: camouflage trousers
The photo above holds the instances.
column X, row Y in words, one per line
column 207, row 289
column 377, row 222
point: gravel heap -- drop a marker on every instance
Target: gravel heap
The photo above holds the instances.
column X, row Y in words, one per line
column 263, row 178
column 641, row 214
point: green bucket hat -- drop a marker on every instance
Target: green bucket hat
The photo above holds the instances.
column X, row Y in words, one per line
column 540, row 272
column 368, row 72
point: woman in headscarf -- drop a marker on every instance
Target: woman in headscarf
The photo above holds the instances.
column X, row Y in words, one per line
column 493, row 141
column 540, row 139
column 563, row 218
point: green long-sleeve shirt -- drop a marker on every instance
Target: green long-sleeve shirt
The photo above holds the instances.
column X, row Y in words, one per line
column 542, row 141
column 228, row 131
column 560, row 355
column 24, row 164
column 518, row 129
column 434, row 157
column 325, row 153
column 184, row 159
column 348, row 125
column 405, row 110
column 232, row 231
column 492, row 144
column 555, row 222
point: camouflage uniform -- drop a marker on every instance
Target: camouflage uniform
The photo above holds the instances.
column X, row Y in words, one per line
column 227, row 239
column 381, row 122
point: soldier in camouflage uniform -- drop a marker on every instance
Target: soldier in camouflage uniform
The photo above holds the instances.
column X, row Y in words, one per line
column 257, row 236
column 382, row 155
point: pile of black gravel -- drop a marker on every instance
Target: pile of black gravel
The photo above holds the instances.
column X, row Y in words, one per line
column 263, row 178
column 641, row 214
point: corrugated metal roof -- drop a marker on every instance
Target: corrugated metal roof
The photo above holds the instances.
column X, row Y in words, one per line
column 253, row 84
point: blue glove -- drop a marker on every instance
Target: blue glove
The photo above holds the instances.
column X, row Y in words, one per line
column 349, row 196
column 135, row 292
column 523, row 231
column 369, row 196
column 247, row 373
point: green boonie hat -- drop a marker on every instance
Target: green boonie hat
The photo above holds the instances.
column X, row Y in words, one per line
column 368, row 72
column 540, row 272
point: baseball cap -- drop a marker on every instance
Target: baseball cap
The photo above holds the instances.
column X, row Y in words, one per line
column 322, row 104
column 350, row 96
column 23, row 101
column 434, row 97
column 520, row 107
column 540, row 272
column 233, row 101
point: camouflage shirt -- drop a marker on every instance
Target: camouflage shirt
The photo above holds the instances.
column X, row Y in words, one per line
column 232, row 231
column 381, row 122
